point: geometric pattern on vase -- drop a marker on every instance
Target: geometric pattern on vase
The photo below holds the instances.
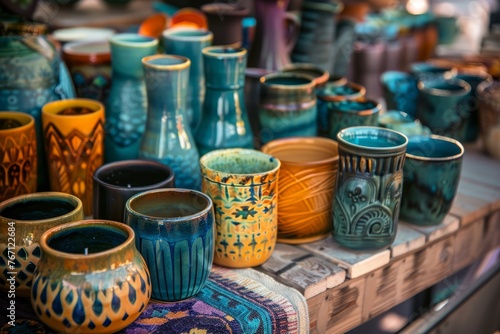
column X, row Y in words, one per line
column 26, row 259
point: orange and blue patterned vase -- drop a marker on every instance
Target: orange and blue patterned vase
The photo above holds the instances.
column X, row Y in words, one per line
column 90, row 279
column 243, row 185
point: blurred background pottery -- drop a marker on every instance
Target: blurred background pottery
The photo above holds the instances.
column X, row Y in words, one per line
column 320, row 76
column 306, row 187
column 431, row 175
column 26, row 218
column 224, row 21
column 90, row 277
column 246, row 215
column 400, row 91
column 189, row 18
column 154, row 25
column 73, row 135
column 174, row 231
column 402, row 122
column 116, row 182
column 18, row 168
column 488, row 94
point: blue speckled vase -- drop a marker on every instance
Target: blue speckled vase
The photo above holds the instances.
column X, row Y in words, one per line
column 175, row 233
column 168, row 138
column 224, row 122
column 369, row 187
column 189, row 42
column 431, row 175
column 126, row 109
column 31, row 75
column 287, row 106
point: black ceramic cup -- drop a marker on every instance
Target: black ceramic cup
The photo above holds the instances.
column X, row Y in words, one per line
column 116, row 182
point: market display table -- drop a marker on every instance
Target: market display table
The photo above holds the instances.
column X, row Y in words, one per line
column 324, row 288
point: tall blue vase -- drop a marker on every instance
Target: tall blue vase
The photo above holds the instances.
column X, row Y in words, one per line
column 126, row 109
column 224, row 122
column 167, row 138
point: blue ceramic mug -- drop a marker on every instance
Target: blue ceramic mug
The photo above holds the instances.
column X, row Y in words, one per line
column 431, row 175
column 175, row 234
column 344, row 114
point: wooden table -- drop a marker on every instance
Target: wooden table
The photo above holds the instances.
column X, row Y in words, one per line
column 345, row 288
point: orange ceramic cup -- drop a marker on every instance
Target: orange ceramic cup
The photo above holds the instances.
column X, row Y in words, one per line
column 18, row 164
column 307, row 181
column 73, row 133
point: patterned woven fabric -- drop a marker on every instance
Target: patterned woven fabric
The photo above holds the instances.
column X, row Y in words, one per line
column 233, row 301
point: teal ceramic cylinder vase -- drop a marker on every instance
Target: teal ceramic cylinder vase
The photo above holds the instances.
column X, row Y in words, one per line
column 287, row 106
column 126, row 109
column 347, row 113
column 369, row 187
column 224, row 122
column 189, row 42
column 31, row 75
column 167, row 138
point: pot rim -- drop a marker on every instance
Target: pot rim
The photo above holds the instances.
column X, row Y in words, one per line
column 358, row 94
column 264, row 80
column 184, row 64
column 437, row 159
column 50, row 233
column 53, row 108
column 121, row 40
column 205, row 34
column 320, row 79
column 372, row 150
column 209, row 51
column 16, row 115
column 466, row 88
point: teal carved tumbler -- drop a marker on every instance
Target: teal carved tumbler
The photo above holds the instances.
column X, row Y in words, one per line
column 369, row 187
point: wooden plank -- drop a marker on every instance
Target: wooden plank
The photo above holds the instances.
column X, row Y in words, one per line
column 407, row 240
column 486, row 194
column 481, row 168
column 300, row 269
column 449, row 225
column 337, row 310
column 356, row 263
column 468, row 244
column 469, row 209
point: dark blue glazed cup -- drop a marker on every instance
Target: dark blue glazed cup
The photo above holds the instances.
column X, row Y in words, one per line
column 369, row 187
column 431, row 175
column 175, row 234
column 400, row 91
column 347, row 113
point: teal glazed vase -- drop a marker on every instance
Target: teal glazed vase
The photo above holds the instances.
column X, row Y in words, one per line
column 431, row 176
column 126, row 109
column 174, row 231
column 224, row 121
column 31, row 75
column 189, row 42
column 347, row 113
column 167, row 138
column 369, row 187
column 287, row 106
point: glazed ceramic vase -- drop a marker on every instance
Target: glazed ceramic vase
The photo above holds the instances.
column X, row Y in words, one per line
column 168, row 137
column 287, row 106
column 175, row 231
column 127, row 103
column 306, row 187
column 23, row 220
column 369, row 187
column 224, row 121
column 18, row 168
column 90, row 278
column 243, row 185
column 73, row 134
column 346, row 113
column 189, row 42
column 31, row 74
column 489, row 116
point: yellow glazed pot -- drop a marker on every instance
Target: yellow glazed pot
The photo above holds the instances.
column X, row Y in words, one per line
column 243, row 186
column 18, row 166
column 74, row 145
column 307, row 181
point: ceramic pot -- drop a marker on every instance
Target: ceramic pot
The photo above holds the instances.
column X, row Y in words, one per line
column 31, row 75
column 73, row 133
column 343, row 46
column 287, row 106
column 400, row 91
column 320, row 76
column 369, row 187
column 346, row 113
column 402, row 122
column 243, row 185
column 489, row 115
column 431, row 175
column 168, row 138
column 306, row 187
column 18, row 168
column 369, row 62
column 224, row 21
column 224, row 121
column 116, row 182
column 430, row 71
column 189, row 42
column 442, row 106
column 127, row 103
column 90, row 278
column 175, row 233
column 89, row 63
column 23, row 220
column 188, row 17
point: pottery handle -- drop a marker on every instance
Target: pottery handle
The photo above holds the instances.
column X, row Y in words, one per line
column 292, row 29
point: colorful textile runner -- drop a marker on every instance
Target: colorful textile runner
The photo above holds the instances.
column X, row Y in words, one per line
column 233, row 301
